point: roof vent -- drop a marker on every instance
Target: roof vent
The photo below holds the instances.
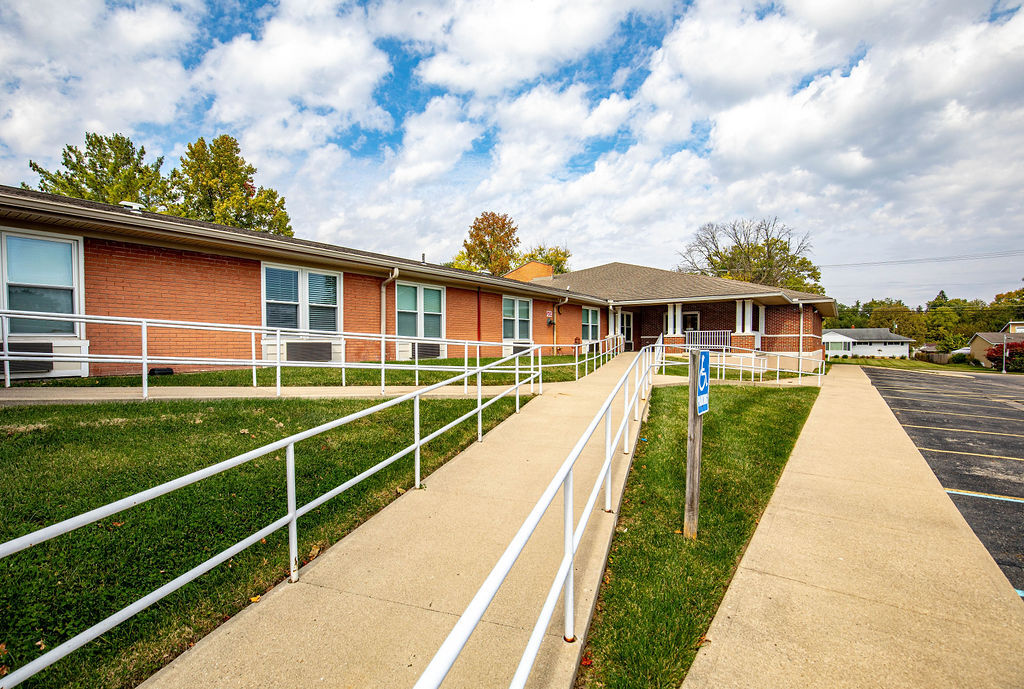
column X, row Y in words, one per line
column 132, row 206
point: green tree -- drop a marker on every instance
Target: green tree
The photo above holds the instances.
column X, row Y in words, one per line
column 848, row 317
column 491, row 244
column 896, row 316
column 215, row 184
column 555, row 256
column 763, row 251
column 109, row 170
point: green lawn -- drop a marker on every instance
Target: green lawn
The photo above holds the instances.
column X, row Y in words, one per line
column 733, row 374
column 59, row 461
column 307, row 375
column 661, row 590
column 913, row 365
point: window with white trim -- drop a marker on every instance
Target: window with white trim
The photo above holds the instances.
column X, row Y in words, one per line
column 420, row 310
column 39, row 274
column 678, row 322
column 840, row 346
column 301, row 298
column 591, row 324
column 515, row 318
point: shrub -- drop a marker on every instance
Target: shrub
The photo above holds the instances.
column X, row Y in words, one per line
column 960, row 358
column 1014, row 356
column 846, row 356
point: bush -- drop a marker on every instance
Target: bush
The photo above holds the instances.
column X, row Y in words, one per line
column 846, row 356
column 1014, row 356
column 960, row 358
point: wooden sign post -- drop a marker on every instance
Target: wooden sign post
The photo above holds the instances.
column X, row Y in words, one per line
column 700, row 381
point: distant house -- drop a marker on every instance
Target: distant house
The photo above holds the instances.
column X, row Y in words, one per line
column 880, row 342
column 981, row 342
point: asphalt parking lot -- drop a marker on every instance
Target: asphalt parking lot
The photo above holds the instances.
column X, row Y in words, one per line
column 970, row 429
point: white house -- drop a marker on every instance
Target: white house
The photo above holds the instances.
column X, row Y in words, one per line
column 879, row 342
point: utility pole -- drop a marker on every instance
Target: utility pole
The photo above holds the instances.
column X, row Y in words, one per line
column 1004, row 352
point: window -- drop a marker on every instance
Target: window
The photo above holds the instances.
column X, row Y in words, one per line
column 515, row 318
column 678, row 322
column 837, row 346
column 420, row 310
column 39, row 275
column 300, row 298
column 591, row 324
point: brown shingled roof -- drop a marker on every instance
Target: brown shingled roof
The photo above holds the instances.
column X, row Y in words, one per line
column 624, row 282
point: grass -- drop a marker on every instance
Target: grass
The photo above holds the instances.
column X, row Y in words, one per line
column 305, row 375
column 59, row 461
column 913, row 365
column 661, row 590
column 734, row 374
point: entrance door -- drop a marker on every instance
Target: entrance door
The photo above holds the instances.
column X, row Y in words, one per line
column 626, row 325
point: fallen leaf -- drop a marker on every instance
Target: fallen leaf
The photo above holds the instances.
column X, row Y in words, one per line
column 117, row 523
column 255, row 599
column 3, row 650
column 3, row 670
column 41, row 644
column 314, row 551
column 678, row 531
column 400, row 491
column 587, row 661
column 263, row 540
column 244, row 431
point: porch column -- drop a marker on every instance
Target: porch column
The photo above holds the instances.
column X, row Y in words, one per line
column 748, row 315
column 739, row 316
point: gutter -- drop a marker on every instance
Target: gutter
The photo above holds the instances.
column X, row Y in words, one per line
column 116, row 219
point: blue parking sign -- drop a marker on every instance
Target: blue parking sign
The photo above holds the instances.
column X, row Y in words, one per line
column 703, row 381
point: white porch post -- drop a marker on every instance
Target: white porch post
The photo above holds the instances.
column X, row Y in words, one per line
column 739, row 316
column 748, row 315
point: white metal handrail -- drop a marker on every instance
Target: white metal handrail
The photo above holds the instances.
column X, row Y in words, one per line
column 290, row 519
column 754, row 361
column 591, row 359
column 641, row 369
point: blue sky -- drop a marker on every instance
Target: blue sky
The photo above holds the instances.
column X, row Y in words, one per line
column 886, row 129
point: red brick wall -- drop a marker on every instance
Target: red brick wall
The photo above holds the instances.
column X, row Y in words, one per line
column 542, row 332
column 786, row 320
column 140, row 281
column 361, row 299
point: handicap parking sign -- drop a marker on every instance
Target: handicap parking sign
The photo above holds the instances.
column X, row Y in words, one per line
column 703, row 381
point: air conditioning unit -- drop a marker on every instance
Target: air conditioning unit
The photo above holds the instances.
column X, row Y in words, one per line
column 514, row 348
column 407, row 351
column 36, row 365
column 308, row 351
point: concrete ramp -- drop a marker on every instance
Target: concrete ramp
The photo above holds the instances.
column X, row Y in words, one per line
column 373, row 609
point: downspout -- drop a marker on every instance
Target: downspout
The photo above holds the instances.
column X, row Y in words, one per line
column 384, row 309
column 479, row 333
column 554, row 326
column 800, row 363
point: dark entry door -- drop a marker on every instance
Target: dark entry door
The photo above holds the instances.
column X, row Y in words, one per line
column 627, row 329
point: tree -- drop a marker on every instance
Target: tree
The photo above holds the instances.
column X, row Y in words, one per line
column 763, row 251
column 897, row 316
column 109, row 170
column 215, row 184
column 555, row 256
column 491, row 244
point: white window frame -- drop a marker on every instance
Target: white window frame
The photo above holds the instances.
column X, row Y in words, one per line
column 77, row 281
column 590, row 325
column 516, row 319
column 303, row 302
column 672, row 321
column 419, row 308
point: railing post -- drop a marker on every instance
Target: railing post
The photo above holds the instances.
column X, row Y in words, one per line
column 540, row 370
column 416, row 437
column 383, row 353
column 533, row 370
column 636, row 388
column 4, row 327
column 277, row 347
column 625, row 415
column 479, row 405
column 576, row 360
column 344, row 360
column 293, row 531
column 517, row 382
column 252, row 350
column 608, row 452
column 570, row 605
column 465, row 366
column 145, row 361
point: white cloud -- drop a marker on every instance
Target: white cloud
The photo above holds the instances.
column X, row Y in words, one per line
column 309, row 74
column 434, row 141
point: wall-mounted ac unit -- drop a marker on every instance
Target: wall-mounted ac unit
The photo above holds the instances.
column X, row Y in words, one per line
column 308, row 351
column 36, row 365
column 425, row 350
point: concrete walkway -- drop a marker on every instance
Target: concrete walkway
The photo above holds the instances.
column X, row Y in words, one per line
column 372, row 610
column 74, row 395
column 862, row 573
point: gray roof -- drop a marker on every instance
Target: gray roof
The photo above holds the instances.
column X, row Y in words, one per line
column 997, row 338
column 625, row 282
column 80, row 214
column 869, row 334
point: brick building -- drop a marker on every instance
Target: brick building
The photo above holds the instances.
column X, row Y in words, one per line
column 63, row 255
